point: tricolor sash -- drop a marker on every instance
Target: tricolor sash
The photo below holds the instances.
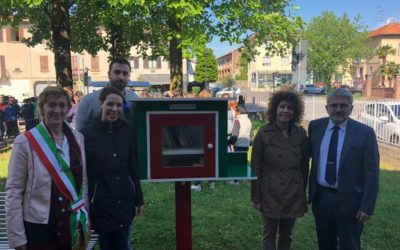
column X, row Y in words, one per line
column 45, row 147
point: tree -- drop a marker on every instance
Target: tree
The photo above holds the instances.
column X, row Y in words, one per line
column 243, row 65
column 50, row 21
column 333, row 44
column 382, row 52
column 77, row 25
column 206, row 67
column 391, row 70
column 180, row 29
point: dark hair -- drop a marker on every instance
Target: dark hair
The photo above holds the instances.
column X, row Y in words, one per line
column 241, row 109
column 54, row 91
column 340, row 92
column 106, row 91
column 119, row 60
column 284, row 95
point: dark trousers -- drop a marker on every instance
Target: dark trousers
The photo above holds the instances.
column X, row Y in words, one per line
column 273, row 228
column 12, row 128
column 2, row 131
column 334, row 230
column 117, row 240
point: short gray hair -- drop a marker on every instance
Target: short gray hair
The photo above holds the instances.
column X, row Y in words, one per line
column 340, row 92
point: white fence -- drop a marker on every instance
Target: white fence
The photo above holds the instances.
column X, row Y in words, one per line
column 382, row 115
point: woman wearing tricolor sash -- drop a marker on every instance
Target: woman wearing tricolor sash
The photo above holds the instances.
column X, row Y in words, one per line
column 46, row 190
column 114, row 186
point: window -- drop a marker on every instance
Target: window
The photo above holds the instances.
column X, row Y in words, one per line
column 152, row 64
column 15, row 35
column 266, row 61
column 134, row 61
column 95, row 63
column 371, row 70
column 398, row 49
column 3, row 71
column 44, row 64
column 284, row 61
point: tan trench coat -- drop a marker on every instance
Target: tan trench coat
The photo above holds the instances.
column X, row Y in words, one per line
column 281, row 166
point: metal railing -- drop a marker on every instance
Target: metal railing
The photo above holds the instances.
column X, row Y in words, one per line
column 383, row 115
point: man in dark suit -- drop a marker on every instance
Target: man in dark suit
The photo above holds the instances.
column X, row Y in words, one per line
column 344, row 177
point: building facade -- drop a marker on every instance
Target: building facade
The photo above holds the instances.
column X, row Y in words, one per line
column 26, row 71
column 388, row 34
column 228, row 64
column 268, row 71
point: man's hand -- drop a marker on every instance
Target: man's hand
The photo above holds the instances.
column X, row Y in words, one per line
column 23, row 247
column 362, row 217
column 139, row 210
column 257, row 206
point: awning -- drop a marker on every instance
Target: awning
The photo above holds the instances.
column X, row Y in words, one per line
column 130, row 84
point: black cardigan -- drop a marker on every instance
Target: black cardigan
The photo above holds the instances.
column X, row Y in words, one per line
column 114, row 185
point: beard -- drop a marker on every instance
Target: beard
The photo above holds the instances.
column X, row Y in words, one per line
column 118, row 84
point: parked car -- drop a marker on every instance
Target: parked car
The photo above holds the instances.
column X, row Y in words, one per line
column 311, row 89
column 232, row 91
column 215, row 89
column 384, row 117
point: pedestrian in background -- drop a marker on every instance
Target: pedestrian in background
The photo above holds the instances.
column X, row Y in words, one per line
column 280, row 161
column 71, row 116
column 12, row 112
column 28, row 114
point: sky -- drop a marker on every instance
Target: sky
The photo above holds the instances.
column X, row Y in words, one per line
column 373, row 14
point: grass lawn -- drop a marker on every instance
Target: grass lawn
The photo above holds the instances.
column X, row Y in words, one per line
column 223, row 218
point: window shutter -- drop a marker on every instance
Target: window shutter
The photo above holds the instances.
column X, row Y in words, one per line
column 8, row 34
column 136, row 59
column 44, row 63
column 95, row 63
column 1, row 34
column 21, row 33
column 74, row 62
column 3, row 72
column 159, row 62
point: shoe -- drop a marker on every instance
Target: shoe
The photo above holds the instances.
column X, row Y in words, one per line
column 234, row 183
column 196, row 188
column 212, row 184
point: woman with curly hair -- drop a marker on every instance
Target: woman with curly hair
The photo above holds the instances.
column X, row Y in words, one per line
column 280, row 161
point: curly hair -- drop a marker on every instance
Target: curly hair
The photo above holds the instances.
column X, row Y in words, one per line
column 284, row 95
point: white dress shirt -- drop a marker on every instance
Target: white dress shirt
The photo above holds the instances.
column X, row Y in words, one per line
column 323, row 155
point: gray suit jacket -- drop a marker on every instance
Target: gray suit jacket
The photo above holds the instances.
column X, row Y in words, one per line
column 358, row 177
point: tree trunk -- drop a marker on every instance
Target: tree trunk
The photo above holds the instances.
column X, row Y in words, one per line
column 61, row 32
column 175, row 58
column 383, row 74
column 116, row 38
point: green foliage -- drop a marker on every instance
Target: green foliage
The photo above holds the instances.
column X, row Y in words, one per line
column 243, row 64
column 333, row 44
column 206, row 67
column 228, row 80
column 386, row 70
column 195, row 90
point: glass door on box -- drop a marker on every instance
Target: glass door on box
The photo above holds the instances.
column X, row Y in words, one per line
column 182, row 145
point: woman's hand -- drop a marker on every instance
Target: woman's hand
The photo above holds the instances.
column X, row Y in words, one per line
column 139, row 210
column 23, row 247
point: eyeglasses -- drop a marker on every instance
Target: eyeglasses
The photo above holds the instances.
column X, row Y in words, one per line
column 341, row 105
